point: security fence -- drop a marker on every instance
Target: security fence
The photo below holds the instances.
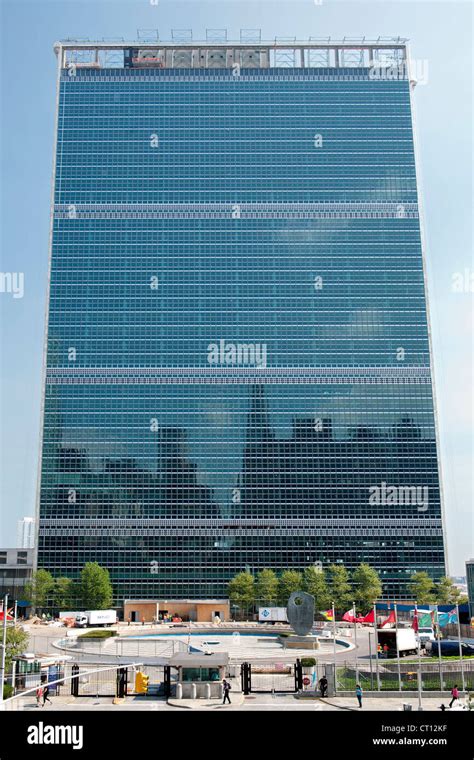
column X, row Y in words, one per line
column 81, row 680
column 275, row 677
column 391, row 676
column 88, row 681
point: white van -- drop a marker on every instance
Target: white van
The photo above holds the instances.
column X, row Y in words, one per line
column 425, row 634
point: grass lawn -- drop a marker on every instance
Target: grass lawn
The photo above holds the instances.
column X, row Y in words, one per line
column 102, row 634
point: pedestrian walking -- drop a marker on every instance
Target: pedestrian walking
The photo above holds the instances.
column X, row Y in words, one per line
column 323, row 686
column 46, row 696
column 454, row 694
column 359, row 694
column 39, row 695
column 227, row 687
column 385, row 650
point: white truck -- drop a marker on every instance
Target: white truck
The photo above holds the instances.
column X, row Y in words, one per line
column 426, row 634
column 403, row 640
column 95, row 618
column 272, row 615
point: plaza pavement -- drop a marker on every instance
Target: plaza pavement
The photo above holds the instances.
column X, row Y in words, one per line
column 267, row 702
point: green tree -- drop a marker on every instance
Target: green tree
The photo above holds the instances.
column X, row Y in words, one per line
column 95, row 588
column 266, row 587
column 289, row 581
column 63, row 593
column 367, row 586
column 339, row 586
column 241, row 590
column 17, row 642
column 314, row 583
column 39, row 589
column 446, row 592
column 421, row 588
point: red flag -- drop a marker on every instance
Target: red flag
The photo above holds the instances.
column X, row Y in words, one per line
column 349, row 616
column 390, row 619
column 414, row 625
column 369, row 618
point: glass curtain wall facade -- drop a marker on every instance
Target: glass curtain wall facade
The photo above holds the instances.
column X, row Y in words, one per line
column 238, row 363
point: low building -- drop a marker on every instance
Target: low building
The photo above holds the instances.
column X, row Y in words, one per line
column 16, row 568
column 199, row 675
column 199, row 611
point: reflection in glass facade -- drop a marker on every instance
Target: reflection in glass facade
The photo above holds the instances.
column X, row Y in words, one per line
column 238, row 368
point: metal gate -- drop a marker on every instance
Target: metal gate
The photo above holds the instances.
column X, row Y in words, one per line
column 273, row 678
column 87, row 681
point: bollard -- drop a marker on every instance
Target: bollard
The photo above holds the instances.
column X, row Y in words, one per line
column 207, row 691
column 179, row 691
column 193, row 691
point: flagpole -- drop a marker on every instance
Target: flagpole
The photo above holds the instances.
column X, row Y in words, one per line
column 376, row 647
column 439, row 650
column 4, row 645
column 420, row 707
column 460, row 650
column 355, row 643
column 334, row 643
column 398, row 651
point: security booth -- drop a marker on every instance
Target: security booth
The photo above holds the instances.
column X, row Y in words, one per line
column 200, row 676
column 29, row 670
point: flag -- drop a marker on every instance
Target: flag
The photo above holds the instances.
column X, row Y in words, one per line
column 390, row 619
column 443, row 619
column 369, row 618
column 414, row 625
column 453, row 616
column 9, row 615
column 327, row 615
column 349, row 616
column 425, row 620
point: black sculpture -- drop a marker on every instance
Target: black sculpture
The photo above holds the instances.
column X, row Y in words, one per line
column 300, row 612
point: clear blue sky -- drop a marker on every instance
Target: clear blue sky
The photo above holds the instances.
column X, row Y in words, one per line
column 440, row 33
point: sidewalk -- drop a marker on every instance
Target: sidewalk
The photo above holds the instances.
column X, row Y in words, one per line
column 192, row 704
column 377, row 703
